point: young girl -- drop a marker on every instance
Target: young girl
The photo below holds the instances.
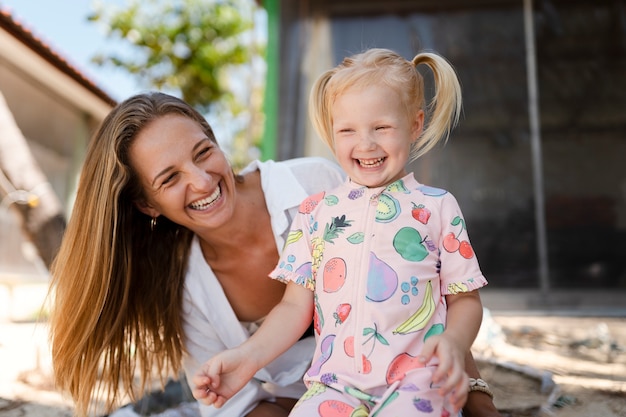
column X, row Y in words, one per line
column 382, row 262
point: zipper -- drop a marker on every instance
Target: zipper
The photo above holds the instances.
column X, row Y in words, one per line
column 361, row 270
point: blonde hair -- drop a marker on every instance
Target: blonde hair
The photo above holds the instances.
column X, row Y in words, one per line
column 116, row 283
column 382, row 66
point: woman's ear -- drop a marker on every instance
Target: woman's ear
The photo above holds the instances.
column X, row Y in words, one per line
column 146, row 208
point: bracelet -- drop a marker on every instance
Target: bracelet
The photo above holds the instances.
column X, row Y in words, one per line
column 480, row 385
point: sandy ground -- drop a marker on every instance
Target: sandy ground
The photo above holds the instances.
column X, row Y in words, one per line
column 555, row 366
column 536, row 366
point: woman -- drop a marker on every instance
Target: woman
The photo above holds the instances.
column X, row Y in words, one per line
column 165, row 259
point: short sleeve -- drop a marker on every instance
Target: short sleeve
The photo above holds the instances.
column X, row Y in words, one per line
column 296, row 260
column 460, row 271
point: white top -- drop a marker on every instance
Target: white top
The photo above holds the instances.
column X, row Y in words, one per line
column 210, row 324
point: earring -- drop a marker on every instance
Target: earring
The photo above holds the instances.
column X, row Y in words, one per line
column 153, row 224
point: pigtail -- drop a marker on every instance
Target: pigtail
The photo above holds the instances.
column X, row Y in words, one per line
column 319, row 108
column 444, row 109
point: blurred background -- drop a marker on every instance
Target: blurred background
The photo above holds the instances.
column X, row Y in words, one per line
column 536, row 162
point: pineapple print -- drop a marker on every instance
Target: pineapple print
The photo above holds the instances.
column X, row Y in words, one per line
column 331, row 232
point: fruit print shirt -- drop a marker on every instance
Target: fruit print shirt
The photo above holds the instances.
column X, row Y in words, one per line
column 380, row 261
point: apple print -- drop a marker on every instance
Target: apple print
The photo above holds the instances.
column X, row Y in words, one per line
column 435, row 329
column 409, row 244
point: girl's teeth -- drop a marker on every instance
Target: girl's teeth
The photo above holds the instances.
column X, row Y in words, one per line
column 371, row 163
column 206, row 202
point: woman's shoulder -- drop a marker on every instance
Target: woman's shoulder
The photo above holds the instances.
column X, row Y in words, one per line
column 316, row 173
column 309, row 163
column 312, row 173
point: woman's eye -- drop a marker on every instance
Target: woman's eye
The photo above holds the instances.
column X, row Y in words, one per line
column 169, row 179
column 203, row 152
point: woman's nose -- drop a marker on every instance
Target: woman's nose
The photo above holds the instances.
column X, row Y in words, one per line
column 200, row 180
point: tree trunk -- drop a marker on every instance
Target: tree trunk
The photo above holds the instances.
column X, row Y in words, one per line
column 24, row 188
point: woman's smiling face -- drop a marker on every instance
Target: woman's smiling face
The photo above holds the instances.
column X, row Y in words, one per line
column 185, row 176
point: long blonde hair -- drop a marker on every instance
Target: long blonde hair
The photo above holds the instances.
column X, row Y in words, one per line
column 376, row 66
column 117, row 282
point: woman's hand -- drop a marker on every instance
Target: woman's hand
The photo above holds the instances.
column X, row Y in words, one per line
column 480, row 404
column 222, row 376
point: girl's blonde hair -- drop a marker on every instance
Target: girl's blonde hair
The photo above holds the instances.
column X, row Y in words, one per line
column 382, row 66
column 116, row 282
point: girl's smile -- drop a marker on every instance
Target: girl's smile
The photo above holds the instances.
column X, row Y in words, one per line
column 373, row 134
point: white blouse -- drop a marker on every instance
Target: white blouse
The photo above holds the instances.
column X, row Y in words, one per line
column 210, row 324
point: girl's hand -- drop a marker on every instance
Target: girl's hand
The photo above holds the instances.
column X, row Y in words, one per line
column 222, row 376
column 450, row 372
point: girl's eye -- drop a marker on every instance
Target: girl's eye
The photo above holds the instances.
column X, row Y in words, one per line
column 381, row 127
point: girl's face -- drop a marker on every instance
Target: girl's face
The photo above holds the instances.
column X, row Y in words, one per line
column 185, row 175
column 373, row 135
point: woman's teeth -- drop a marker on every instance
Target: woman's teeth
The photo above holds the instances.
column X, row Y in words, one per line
column 206, row 202
column 371, row 163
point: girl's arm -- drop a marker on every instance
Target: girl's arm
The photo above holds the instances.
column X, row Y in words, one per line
column 226, row 373
column 462, row 324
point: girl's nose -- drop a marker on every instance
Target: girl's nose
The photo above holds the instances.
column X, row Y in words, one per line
column 367, row 142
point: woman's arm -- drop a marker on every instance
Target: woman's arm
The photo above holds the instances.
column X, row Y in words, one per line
column 225, row 374
column 479, row 403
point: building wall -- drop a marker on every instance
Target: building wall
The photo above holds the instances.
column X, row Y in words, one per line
column 490, row 163
column 56, row 114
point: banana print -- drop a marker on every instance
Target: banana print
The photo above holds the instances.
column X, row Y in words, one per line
column 422, row 316
column 457, row 287
column 293, row 237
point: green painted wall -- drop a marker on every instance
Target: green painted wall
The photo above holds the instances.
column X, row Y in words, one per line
column 271, row 97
